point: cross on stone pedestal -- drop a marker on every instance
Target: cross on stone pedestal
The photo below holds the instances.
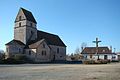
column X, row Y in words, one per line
column 97, row 42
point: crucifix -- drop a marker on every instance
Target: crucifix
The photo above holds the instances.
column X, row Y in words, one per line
column 97, row 42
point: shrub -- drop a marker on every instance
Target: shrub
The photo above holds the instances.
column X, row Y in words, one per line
column 88, row 61
column 115, row 61
column 10, row 61
column 96, row 61
column 72, row 58
column 15, row 60
column 20, row 57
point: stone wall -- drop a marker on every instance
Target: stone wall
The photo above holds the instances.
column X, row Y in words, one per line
column 24, row 29
column 58, row 55
column 37, row 54
column 12, row 50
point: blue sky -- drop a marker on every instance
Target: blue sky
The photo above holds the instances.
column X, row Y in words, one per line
column 75, row 21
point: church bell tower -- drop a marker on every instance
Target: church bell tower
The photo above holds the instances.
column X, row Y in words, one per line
column 25, row 28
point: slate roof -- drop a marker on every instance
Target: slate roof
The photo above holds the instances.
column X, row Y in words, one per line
column 35, row 45
column 15, row 42
column 28, row 15
column 50, row 39
column 92, row 50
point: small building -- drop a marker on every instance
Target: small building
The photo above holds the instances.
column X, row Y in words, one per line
column 37, row 45
column 103, row 53
column 118, row 56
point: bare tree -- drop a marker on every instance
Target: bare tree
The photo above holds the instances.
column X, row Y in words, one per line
column 83, row 45
column 77, row 54
column 77, row 51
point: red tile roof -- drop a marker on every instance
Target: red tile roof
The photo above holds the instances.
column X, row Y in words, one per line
column 92, row 50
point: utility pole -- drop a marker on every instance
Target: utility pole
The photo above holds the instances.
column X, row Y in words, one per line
column 97, row 42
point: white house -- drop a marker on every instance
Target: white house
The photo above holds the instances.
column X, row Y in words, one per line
column 103, row 53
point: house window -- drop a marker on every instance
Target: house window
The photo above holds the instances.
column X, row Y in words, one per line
column 86, row 57
column 90, row 56
column 20, row 18
column 43, row 45
column 19, row 50
column 29, row 52
column 43, row 53
column 7, row 49
column 57, row 50
column 98, row 57
column 113, row 57
column 105, row 57
column 20, row 24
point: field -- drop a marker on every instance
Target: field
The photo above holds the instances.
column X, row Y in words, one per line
column 60, row 72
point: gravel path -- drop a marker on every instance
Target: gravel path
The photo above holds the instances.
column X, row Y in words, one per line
column 60, row 72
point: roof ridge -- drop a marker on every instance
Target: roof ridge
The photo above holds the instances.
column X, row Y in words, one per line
column 98, row 47
column 47, row 33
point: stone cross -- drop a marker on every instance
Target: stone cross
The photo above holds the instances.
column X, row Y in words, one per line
column 97, row 41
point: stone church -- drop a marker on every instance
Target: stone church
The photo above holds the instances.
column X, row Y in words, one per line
column 36, row 45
